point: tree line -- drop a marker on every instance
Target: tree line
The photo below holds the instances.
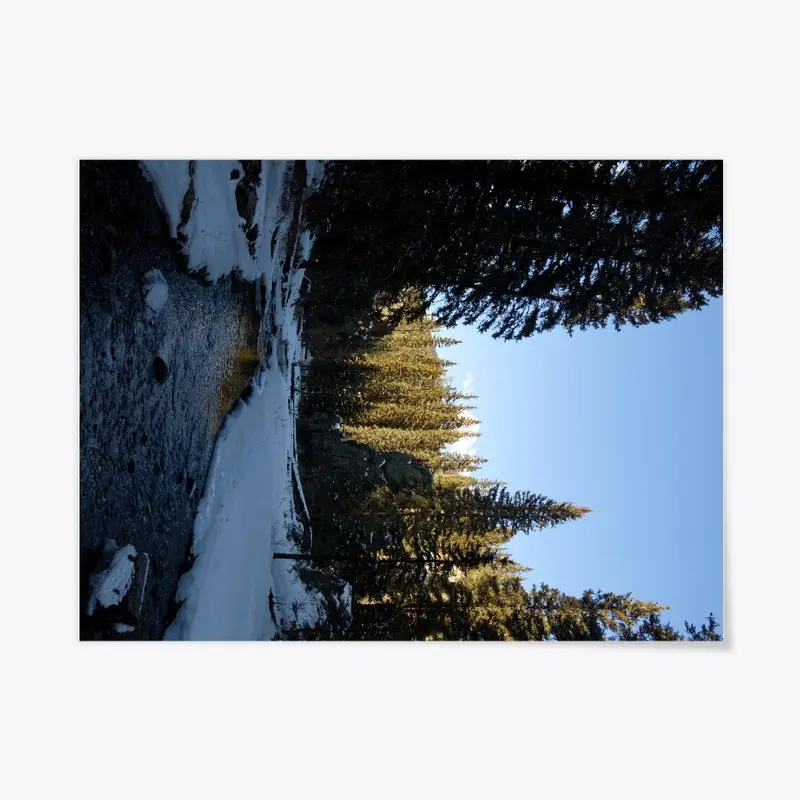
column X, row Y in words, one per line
column 517, row 248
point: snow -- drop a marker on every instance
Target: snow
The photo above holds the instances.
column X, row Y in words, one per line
column 296, row 475
column 246, row 505
column 109, row 586
column 300, row 605
column 217, row 240
column 247, row 508
column 306, row 242
column 121, row 627
column 170, row 180
column 347, row 597
column 316, row 173
column 215, row 235
column 244, row 515
column 156, row 290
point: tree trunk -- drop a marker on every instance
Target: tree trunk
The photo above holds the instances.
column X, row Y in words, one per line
column 294, row 556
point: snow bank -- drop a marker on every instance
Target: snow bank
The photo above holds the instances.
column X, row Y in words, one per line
column 214, row 234
column 110, row 585
column 170, row 181
column 216, row 237
column 247, row 508
column 246, row 511
column 300, row 605
column 225, row 594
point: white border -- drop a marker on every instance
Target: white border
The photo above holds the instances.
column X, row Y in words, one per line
column 158, row 79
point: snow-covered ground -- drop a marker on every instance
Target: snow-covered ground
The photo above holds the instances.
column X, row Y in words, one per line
column 216, row 240
column 248, row 505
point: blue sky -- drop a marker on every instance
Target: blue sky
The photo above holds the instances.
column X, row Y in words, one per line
column 628, row 423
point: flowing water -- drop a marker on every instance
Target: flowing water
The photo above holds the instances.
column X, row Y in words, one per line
column 153, row 386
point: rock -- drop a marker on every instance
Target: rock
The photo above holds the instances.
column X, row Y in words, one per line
column 160, row 369
column 156, row 290
column 110, row 583
column 363, row 452
column 325, row 447
column 402, row 471
column 117, row 588
column 121, row 627
column 332, row 465
column 320, row 422
column 246, row 202
column 252, row 171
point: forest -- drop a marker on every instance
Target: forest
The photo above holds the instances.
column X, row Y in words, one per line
column 405, row 250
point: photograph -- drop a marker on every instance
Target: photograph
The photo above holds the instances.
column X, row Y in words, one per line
column 401, row 400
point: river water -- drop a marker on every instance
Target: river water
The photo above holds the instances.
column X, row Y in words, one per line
column 146, row 433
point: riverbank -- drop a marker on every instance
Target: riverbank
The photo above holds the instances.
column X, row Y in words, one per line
column 157, row 378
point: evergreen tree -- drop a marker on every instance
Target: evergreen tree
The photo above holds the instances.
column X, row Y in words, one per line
column 707, row 633
column 406, row 440
column 422, row 416
column 454, row 463
column 525, row 246
column 498, row 609
column 599, row 616
column 593, row 616
column 653, row 629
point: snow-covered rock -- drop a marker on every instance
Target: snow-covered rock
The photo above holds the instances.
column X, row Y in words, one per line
column 156, row 290
column 110, row 585
column 121, row 627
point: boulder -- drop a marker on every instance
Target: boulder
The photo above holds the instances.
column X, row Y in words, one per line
column 112, row 580
column 118, row 587
column 156, row 290
column 402, row 471
column 326, row 451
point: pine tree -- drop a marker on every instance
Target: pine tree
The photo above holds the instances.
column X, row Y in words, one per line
column 422, row 416
column 707, row 633
column 455, row 463
column 454, row 480
column 498, row 609
column 495, row 507
column 405, row 440
column 595, row 615
column 653, row 629
column 524, row 246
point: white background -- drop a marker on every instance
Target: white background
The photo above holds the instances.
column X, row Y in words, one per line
column 610, row 79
